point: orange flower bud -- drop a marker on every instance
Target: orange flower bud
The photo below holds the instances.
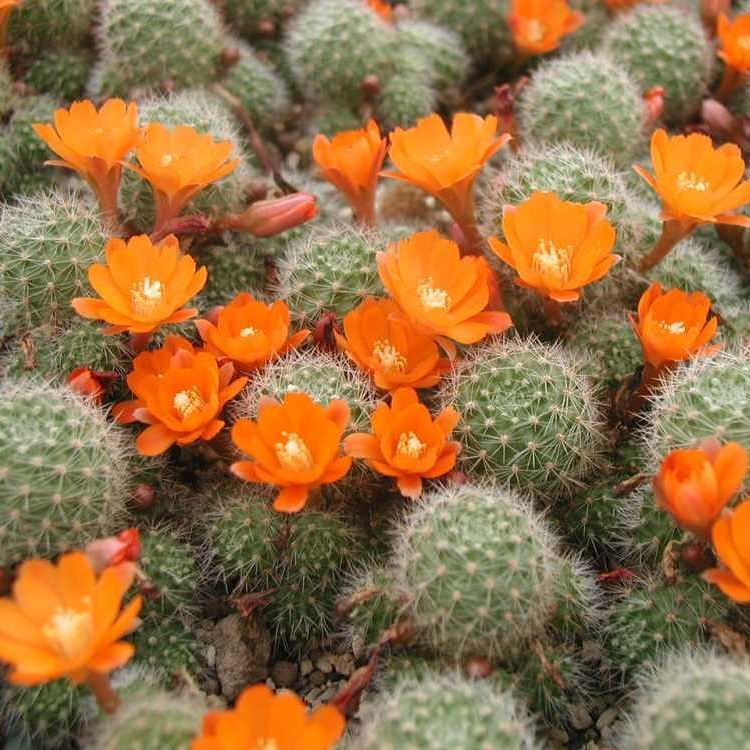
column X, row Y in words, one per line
column 731, row 539
column 538, row 26
column 271, row 217
column 104, row 553
column 734, row 41
column 91, row 383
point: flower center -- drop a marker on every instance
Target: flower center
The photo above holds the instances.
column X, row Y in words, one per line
column 535, row 30
column 293, row 454
column 410, row 445
column 69, row 632
column 677, row 328
column 691, row 181
column 552, row 260
column 431, row 297
column 146, row 295
column 188, row 402
column 389, row 357
column 266, row 743
column 743, row 43
column 249, row 331
column 167, row 159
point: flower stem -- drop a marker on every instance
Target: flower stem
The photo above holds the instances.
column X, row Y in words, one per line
column 553, row 311
column 107, row 698
column 734, row 236
column 139, row 342
column 364, row 211
column 672, row 232
column 730, row 82
column 639, row 397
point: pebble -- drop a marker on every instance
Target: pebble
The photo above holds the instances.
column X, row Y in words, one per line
column 325, row 663
column 211, row 656
column 243, row 650
column 606, row 718
column 317, row 678
column 559, row 735
column 306, row 667
column 343, row 664
column 284, row 674
column 580, row 718
column 358, row 647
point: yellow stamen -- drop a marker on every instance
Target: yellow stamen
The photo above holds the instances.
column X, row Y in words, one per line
column 691, row 181
column 188, row 402
column 552, row 260
column 388, row 356
column 167, row 159
column 743, row 43
column 146, row 295
column 69, row 632
column 410, row 445
column 431, row 297
column 293, row 454
column 677, row 328
column 249, row 331
column 535, row 30
column 266, row 743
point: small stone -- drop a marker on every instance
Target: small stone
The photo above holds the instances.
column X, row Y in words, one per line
column 306, row 667
column 284, row 674
column 243, row 649
column 606, row 718
column 580, row 718
column 358, row 647
column 211, row 656
column 317, row 678
column 325, row 663
column 559, row 735
column 343, row 664
column 327, row 694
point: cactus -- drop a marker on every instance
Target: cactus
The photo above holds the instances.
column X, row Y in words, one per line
column 253, row 18
column 150, row 719
column 259, row 88
column 148, row 43
column 329, row 270
column 441, row 48
column 63, row 73
column 7, row 96
column 332, row 119
column 36, row 23
column 483, row 571
column 664, row 46
column 166, row 645
column 529, row 416
column 47, row 243
column 64, row 471
column 558, row 106
column 694, row 700
column 409, row 93
column 207, row 114
column 442, row 711
column 653, row 618
column 483, row 26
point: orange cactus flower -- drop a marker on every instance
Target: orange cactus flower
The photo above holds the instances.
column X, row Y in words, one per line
column 142, row 286
column 294, row 445
column 262, row 720
column 351, row 161
column 695, row 485
column 382, row 8
column 6, row 8
column 250, row 333
column 556, row 246
column 442, row 294
column 183, row 405
column 94, row 143
column 734, row 43
column 407, row 443
column 673, row 326
column 379, row 338
column 445, row 164
column 731, row 539
column 538, row 26
column 64, row 621
column 178, row 164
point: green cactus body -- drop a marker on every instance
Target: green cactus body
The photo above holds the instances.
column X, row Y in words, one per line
column 7, row 96
column 529, row 416
column 664, row 46
column 62, row 73
column 441, row 48
column 331, row 120
column 653, row 618
column 47, row 243
column 695, row 701
column 166, row 644
column 444, row 711
column 37, row 23
column 409, row 93
column 232, row 268
column 249, row 16
column 146, row 43
column 64, row 471
column 559, row 105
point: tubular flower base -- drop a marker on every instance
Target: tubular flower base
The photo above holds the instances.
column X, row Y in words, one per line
column 406, row 443
column 382, row 8
column 142, row 286
column 538, row 26
column 271, row 217
column 352, row 161
column 178, row 164
column 381, row 340
column 556, row 246
column 695, row 485
column 731, row 539
column 94, row 143
column 441, row 293
column 263, row 721
column 673, row 326
column 64, row 621
column 250, row 333
column 445, row 164
column 294, row 445
column 734, row 41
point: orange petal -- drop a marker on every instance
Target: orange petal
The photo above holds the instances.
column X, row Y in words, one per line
column 291, row 499
column 155, row 440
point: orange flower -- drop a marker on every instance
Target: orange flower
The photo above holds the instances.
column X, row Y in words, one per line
column 673, row 326
column 295, row 446
column 142, row 286
column 556, row 246
column 695, row 485
column 382, row 341
column 441, row 293
column 734, row 38
column 90, row 383
column 261, row 720
column 183, row 405
column 351, row 162
column 63, row 621
column 382, row 8
column 446, row 164
column 250, row 333
column 179, row 163
column 731, row 538
column 407, row 443
column 94, row 143
column 538, row 26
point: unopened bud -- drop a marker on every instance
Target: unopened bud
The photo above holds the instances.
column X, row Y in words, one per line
column 113, row 550
column 478, row 668
column 230, row 56
column 654, row 101
column 92, row 384
column 718, row 118
column 271, row 217
column 266, row 28
column 696, row 556
column 370, row 85
column 143, row 497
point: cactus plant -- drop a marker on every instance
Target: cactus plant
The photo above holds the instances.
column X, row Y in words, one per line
column 166, row 644
column 36, row 22
column 441, row 48
column 664, row 46
column 557, row 106
column 529, row 416
column 258, row 18
column 62, row 73
column 409, row 94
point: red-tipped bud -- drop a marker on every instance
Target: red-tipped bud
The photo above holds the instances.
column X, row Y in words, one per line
column 718, row 118
column 654, row 101
column 478, row 668
column 371, row 85
column 105, row 553
column 143, row 497
column 271, row 217
column 710, row 12
column 92, row 384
